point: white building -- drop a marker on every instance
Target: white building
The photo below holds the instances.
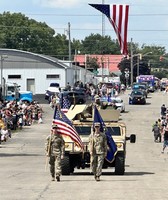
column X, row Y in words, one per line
column 35, row 72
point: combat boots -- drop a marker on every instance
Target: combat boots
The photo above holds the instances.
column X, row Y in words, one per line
column 97, row 178
column 58, row 178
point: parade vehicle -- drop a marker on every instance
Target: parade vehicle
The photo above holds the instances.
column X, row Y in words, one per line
column 119, row 103
column 112, row 102
column 137, row 97
column 140, row 86
column 150, row 79
column 75, row 97
column 82, row 119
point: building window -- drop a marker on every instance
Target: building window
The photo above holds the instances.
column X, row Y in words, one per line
column 14, row 76
column 55, row 76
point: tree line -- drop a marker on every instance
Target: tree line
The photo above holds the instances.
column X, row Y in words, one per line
column 19, row 32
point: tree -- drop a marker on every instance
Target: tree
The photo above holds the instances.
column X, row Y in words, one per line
column 97, row 44
column 92, row 63
column 60, row 47
column 19, row 32
column 160, row 75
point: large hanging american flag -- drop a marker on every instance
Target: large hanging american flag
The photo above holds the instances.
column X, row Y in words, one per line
column 65, row 127
column 118, row 17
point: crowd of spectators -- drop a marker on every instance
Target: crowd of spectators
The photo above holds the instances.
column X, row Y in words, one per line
column 101, row 89
column 15, row 115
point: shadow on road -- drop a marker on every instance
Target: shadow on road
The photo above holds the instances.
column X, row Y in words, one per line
column 138, row 173
column 112, row 173
column 12, row 155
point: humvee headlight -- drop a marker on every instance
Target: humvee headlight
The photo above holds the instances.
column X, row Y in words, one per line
column 119, row 145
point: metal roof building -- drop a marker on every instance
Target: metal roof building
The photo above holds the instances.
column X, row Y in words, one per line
column 35, row 72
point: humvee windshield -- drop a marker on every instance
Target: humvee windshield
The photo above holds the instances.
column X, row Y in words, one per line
column 86, row 130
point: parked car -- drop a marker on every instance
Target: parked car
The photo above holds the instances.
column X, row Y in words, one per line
column 51, row 91
column 54, row 88
column 137, row 97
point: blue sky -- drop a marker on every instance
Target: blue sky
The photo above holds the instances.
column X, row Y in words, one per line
column 148, row 19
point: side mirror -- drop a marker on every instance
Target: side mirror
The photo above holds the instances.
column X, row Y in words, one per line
column 132, row 138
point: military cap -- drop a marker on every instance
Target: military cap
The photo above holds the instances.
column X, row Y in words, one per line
column 96, row 124
column 54, row 126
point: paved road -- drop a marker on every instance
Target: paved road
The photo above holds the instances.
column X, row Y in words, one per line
column 22, row 164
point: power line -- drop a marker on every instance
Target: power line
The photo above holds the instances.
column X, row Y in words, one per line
column 84, row 29
column 91, row 15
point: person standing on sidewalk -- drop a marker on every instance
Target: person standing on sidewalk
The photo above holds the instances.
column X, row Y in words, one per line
column 165, row 137
column 157, row 132
column 55, row 149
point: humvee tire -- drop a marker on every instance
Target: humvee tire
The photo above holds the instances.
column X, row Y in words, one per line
column 119, row 164
column 65, row 164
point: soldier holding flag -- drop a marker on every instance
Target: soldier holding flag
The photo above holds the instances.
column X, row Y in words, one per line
column 55, row 148
column 101, row 145
column 98, row 150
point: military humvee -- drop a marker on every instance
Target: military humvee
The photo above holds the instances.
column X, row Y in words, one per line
column 82, row 121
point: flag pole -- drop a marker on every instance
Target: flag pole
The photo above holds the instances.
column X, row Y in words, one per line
column 48, row 152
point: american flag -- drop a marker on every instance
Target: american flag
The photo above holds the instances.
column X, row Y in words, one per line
column 65, row 104
column 118, row 17
column 65, row 127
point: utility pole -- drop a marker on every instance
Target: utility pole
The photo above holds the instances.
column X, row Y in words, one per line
column 102, row 60
column 85, row 69
column 108, row 65
column 75, row 66
column 138, row 58
column 131, row 64
column 103, row 22
column 69, row 37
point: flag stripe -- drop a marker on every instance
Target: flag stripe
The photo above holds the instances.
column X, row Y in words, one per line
column 68, row 130
column 65, row 127
column 118, row 17
column 126, row 30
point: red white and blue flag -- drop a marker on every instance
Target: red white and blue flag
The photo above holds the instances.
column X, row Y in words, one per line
column 112, row 148
column 118, row 17
column 65, row 104
column 65, row 127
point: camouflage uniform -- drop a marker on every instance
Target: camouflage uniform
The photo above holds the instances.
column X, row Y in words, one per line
column 98, row 151
column 55, row 147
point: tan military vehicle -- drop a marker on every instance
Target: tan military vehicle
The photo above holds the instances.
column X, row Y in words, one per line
column 82, row 120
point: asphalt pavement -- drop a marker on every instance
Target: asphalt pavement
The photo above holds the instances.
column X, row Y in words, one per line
column 23, row 162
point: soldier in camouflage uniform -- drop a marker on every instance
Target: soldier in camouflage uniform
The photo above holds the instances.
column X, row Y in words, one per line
column 55, row 147
column 98, row 150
